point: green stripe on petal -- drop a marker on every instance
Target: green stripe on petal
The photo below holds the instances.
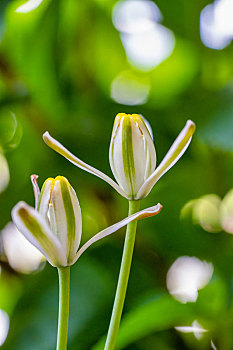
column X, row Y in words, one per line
column 68, row 208
column 35, row 229
column 127, row 153
column 70, row 217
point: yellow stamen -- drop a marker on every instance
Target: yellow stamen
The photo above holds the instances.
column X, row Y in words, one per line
column 135, row 117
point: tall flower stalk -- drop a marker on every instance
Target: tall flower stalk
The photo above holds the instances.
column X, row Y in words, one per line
column 123, row 278
column 64, row 300
column 54, row 227
column 132, row 159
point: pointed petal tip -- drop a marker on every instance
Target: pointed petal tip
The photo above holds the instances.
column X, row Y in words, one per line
column 34, row 177
column 36, row 189
column 19, row 204
column 156, row 209
column 191, row 125
column 20, row 207
column 46, row 136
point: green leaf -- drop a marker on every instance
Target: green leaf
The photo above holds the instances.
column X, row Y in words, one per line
column 156, row 315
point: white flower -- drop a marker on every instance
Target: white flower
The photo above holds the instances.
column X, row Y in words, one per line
column 55, row 226
column 132, row 156
column 132, row 153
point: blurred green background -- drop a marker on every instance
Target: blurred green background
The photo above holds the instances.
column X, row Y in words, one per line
column 69, row 67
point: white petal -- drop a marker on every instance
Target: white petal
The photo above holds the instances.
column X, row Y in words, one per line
column 116, row 158
column 111, row 229
column 36, row 189
column 32, row 225
column 43, row 202
column 149, row 128
column 149, row 148
column 59, row 148
column 175, row 152
column 139, row 143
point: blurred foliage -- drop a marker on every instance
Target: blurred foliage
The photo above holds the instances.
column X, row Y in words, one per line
column 57, row 64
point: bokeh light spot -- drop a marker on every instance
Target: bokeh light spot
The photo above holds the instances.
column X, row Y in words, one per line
column 135, row 15
column 186, row 276
column 205, row 212
column 216, row 24
column 4, row 326
column 130, row 89
column 29, row 6
column 21, row 254
column 147, row 43
column 4, row 173
column 226, row 212
column 147, row 50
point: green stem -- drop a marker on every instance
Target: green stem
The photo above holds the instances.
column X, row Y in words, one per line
column 123, row 278
column 63, row 317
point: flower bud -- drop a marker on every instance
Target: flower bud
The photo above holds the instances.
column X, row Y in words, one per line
column 65, row 215
column 55, row 229
column 132, row 153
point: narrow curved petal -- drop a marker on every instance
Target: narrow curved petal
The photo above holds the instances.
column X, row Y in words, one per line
column 59, row 148
column 36, row 189
column 111, row 229
column 177, row 149
column 32, row 225
column 65, row 216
